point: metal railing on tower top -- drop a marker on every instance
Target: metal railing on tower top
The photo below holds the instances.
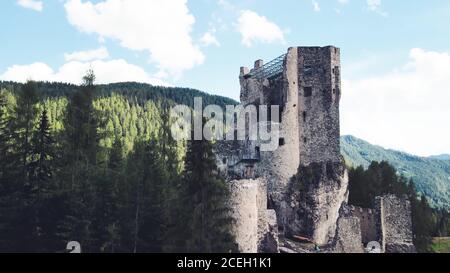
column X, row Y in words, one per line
column 268, row 70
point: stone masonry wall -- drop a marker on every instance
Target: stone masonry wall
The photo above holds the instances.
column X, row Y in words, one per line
column 244, row 210
column 319, row 95
column 281, row 165
column 348, row 236
column 396, row 224
column 255, row 226
column 368, row 219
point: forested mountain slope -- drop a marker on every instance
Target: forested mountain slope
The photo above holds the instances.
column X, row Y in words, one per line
column 431, row 176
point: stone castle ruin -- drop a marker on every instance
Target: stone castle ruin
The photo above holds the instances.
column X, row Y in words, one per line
column 301, row 188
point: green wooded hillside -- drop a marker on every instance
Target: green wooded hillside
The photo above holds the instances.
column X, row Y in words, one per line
column 431, row 176
column 97, row 164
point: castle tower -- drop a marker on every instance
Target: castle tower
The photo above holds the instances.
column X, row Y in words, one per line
column 276, row 83
column 319, row 96
column 305, row 83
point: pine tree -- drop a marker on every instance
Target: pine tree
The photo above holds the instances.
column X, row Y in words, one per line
column 146, row 185
column 40, row 168
column 3, row 133
column 81, row 145
column 5, row 189
column 81, row 126
column 422, row 224
column 154, row 217
column 17, row 199
column 106, row 222
column 22, row 126
column 206, row 223
column 39, row 189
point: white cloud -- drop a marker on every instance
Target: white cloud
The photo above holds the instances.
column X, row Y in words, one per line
column 256, row 28
column 209, row 38
column 86, row 56
column 375, row 5
column 407, row 109
column 227, row 5
column 106, row 72
column 31, row 4
column 160, row 27
column 316, row 6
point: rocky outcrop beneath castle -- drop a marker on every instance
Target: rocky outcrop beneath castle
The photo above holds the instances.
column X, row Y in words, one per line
column 312, row 206
column 255, row 227
column 348, row 236
column 270, row 242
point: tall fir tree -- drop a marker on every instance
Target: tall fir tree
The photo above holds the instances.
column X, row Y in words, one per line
column 42, row 188
column 145, row 206
column 4, row 184
column 81, row 144
column 22, row 127
column 170, row 156
column 205, row 220
column 154, row 216
column 106, row 223
column 17, row 199
column 40, row 168
column 3, row 132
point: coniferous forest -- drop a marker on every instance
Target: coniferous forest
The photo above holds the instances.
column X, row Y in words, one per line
column 96, row 164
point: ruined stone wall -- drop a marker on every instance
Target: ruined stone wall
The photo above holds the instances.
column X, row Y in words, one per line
column 255, row 227
column 368, row 219
column 396, row 224
column 251, row 89
column 237, row 159
column 244, row 210
column 348, row 235
column 319, row 92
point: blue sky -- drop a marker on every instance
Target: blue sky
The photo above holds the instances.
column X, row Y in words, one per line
column 395, row 54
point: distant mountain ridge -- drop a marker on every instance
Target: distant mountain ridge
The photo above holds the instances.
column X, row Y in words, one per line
column 440, row 157
column 136, row 91
column 431, row 175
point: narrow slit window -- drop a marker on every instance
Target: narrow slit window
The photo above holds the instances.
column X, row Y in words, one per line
column 308, row 91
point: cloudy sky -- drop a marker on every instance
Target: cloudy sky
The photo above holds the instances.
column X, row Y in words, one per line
column 395, row 54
